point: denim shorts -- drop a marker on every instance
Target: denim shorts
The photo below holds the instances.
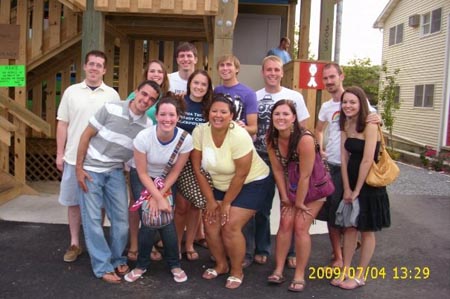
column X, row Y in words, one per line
column 251, row 196
column 69, row 194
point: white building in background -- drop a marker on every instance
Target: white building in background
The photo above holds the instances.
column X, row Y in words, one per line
column 416, row 40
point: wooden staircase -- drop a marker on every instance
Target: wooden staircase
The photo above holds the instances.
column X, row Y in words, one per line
column 10, row 188
column 51, row 35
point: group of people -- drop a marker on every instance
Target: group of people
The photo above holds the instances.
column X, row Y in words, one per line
column 232, row 145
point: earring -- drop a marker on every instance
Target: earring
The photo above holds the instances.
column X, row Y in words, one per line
column 292, row 128
column 231, row 125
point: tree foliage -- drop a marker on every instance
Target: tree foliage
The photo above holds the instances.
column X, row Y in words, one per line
column 388, row 98
column 361, row 72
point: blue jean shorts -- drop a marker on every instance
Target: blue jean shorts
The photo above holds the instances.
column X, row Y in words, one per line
column 69, row 194
column 251, row 196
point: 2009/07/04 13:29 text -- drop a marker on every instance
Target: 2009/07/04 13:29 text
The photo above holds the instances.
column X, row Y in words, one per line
column 395, row 273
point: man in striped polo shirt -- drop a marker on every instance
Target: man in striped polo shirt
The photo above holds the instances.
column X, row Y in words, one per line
column 104, row 146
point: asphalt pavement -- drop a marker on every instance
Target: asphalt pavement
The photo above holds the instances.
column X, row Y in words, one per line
column 411, row 260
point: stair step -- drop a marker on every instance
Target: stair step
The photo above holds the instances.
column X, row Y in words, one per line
column 9, row 187
column 10, row 194
column 6, row 182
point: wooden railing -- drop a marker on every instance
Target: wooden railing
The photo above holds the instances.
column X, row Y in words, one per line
column 180, row 7
column 53, row 51
column 24, row 115
column 50, row 43
column 53, row 25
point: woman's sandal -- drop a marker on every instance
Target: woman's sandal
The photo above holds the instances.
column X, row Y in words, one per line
column 211, row 273
column 111, row 277
column 179, row 276
column 260, row 259
column 132, row 276
column 276, row 279
column 122, row 269
column 336, row 282
column 233, row 282
column 132, row 255
column 192, row 255
column 297, row 286
column 155, row 255
column 351, row 284
column 291, row 262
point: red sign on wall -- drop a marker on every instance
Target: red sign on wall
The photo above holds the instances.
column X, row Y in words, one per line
column 311, row 75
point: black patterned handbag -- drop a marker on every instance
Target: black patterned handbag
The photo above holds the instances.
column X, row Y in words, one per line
column 188, row 186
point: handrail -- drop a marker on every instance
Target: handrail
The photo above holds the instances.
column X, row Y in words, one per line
column 25, row 115
column 37, row 61
column 75, row 5
column 6, row 125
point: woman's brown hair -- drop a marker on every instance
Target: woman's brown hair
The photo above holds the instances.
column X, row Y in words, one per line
column 363, row 108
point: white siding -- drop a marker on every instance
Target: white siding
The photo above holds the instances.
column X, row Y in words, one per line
column 421, row 61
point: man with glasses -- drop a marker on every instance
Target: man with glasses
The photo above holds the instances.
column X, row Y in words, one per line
column 79, row 102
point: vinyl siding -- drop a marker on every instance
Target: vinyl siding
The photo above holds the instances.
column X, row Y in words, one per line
column 421, row 61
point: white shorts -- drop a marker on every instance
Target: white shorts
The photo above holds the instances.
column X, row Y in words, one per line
column 69, row 192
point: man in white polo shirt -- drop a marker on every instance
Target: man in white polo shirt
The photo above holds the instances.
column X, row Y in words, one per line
column 79, row 102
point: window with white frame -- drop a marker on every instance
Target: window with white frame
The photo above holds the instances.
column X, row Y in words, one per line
column 396, row 34
column 423, row 95
column 431, row 22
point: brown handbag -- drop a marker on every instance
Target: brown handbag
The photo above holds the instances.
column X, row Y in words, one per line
column 385, row 171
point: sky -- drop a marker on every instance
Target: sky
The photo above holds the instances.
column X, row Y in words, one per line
column 358, row 37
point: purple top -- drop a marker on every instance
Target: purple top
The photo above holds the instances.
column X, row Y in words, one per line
column 245, row 95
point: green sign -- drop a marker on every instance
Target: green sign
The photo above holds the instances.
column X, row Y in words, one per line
column 12, row 75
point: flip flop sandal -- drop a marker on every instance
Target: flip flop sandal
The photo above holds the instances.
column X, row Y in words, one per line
column 246, row 263
column 291, row 262
column 192, row 255
column 276, row 279
column 133, row 276
column 336, row 282
column 132, row 256
column 348, row 285
column 260, row 259
column 233, row 282
column 293, row 286
column 155, row 255
column 179, row 276
column 122, row 269
column 211, row 273
column 111, row 277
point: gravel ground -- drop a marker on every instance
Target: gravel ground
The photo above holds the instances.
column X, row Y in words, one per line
column 419, row 181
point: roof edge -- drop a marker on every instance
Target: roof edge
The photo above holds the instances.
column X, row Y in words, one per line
column 379, row 22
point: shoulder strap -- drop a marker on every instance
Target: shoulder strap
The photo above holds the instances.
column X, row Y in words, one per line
column 307, row 132
column 381, row 137
column 174, row 154
column 283, row 161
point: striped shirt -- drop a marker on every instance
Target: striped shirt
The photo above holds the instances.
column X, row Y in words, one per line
column 113, row 144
